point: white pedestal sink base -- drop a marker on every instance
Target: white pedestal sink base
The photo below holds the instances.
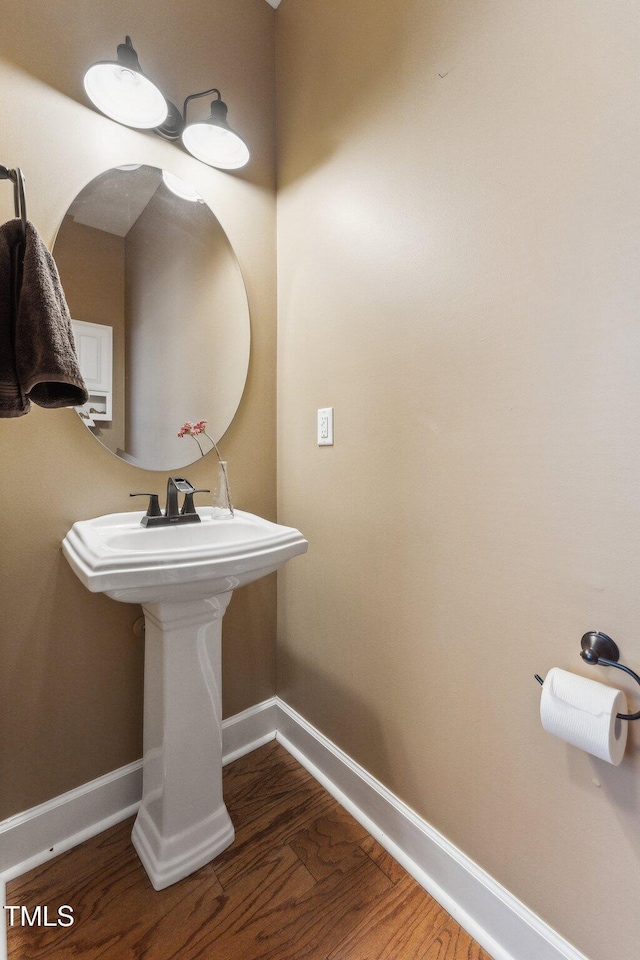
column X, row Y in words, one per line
column 183, row 575
column 169, row 860
column 182, row 822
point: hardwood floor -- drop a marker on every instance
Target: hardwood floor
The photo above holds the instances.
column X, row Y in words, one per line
column 302, row 881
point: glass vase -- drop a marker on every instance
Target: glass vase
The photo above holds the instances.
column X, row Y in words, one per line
column 222, row 505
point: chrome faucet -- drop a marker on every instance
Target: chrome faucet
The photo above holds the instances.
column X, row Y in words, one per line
column 154, row 517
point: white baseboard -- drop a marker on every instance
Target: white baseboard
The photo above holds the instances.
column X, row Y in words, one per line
column 501, row 924
column 30, row 838
column 249, row 730
column 36, row 835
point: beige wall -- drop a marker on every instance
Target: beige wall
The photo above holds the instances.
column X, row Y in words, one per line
column 183, row 287
column 71, row 678
column 458, row 276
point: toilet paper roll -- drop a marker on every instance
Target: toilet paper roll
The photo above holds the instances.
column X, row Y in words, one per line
column 583, row 712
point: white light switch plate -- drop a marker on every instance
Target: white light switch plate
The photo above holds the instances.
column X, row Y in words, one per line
column 325, row 427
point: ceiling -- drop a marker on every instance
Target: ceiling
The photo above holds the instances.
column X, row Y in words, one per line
column 113, row 208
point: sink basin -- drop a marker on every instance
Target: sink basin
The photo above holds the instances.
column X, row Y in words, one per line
column 183, row 575
column 115, row 555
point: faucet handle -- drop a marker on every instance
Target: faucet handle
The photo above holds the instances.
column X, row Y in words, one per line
column 153, row 510
column 188, row 505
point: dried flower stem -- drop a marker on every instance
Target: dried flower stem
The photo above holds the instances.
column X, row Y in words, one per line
column 200, row 445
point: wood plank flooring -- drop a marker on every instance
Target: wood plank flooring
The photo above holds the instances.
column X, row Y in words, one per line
column 302, row 881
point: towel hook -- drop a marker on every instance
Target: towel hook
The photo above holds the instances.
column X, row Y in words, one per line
column 598, row 648
column 19, row 200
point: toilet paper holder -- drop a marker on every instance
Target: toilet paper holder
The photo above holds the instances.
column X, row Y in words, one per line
column 598, row 648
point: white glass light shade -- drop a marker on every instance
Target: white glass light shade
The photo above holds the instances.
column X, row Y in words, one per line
column 215, row 145
column 125, row 95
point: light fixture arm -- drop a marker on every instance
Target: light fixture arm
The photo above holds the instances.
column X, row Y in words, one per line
column 194, row 96
column 127, row 56
column 175, row 123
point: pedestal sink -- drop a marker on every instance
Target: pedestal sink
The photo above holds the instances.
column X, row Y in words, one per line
column 183, row 575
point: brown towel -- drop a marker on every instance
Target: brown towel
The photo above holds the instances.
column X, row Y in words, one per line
column 13, row 402
column 44, row 356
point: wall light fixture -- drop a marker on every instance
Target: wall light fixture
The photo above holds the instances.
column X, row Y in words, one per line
column 121, row 91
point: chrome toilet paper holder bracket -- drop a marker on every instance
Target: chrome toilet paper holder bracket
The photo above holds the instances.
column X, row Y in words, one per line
column 599, row 649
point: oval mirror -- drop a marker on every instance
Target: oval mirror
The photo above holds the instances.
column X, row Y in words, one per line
column 160, row 314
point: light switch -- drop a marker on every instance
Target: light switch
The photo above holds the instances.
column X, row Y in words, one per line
column 325, row 427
